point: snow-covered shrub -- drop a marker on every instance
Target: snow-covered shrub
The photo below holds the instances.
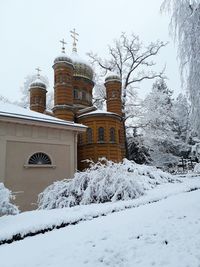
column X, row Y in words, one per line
column 103, row 182
column 5, row 197
column 197, row 168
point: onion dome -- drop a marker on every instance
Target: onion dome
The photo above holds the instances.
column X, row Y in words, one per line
column 63, row 58
column 38, row 83
column 112, row 76
column 81, row 67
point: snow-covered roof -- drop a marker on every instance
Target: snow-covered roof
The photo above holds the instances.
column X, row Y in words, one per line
column 99, row 112
column 14, row 111
column 82, row 67
column 112, row 76
column 38, row 82
column 63, row 58
column 77, row 59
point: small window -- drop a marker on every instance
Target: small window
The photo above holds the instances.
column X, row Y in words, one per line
column 75, row 94
column 89, row 135
column 120, row 136
column 39, row 158
column 112, row 134
column 101, row 134
column 114, row 94
column 83, row 95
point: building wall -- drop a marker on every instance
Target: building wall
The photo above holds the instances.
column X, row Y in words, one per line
column 96, row 149
column 18, row 142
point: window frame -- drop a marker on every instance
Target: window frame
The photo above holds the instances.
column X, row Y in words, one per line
column 101, row 135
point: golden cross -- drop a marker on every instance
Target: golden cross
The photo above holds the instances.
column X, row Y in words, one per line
column 74, row 35
column 63, row 45
column 38, row 72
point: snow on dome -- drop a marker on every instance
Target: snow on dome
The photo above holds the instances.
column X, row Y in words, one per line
column 63, row 58
column 112, row 76
column 38, row 83
column 82, row 67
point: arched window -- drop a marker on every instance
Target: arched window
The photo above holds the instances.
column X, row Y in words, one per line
column 39, row 158
column 75, row 93
column 119, row 136
column 112, row 135
column 101, row 134
column 89, row 135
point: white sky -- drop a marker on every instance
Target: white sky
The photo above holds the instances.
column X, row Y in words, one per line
column 31, row 30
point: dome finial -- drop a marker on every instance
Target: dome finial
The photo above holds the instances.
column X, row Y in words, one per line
column 38, row 72
column 63, row 45
column 74, row 35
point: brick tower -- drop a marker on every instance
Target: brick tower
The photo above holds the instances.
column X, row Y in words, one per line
column 63, row 88
column 113, row 86
column 38, row 95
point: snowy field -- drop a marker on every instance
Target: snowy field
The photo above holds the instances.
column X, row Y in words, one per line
column 162, row 233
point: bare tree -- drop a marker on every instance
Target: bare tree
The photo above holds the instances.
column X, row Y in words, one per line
column 132, row 61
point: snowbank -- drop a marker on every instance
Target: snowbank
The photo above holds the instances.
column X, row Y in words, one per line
column 40, row 221
column 107, row 182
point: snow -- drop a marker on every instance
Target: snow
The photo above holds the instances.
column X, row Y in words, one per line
column 98, row 111
column 197, row 168
column 38, row 80
column 77, row 59
column 165, row 233
column 34, row 221
column 6, row 207
column 14, row 111
column 104, row 181
column 112, row 74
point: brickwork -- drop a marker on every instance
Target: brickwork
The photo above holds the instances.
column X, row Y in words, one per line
column 38, row 99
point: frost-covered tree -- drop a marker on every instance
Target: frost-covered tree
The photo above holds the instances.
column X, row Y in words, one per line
column 181, row 110
column 6, row 207
column 185, row 27
column 137, row 150
column 158, row 134
column 128, row 57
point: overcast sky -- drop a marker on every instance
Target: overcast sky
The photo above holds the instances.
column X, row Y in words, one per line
column 31, row 29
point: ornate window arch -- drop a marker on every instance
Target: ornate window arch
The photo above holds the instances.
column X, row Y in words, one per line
column 112, row 135
column 101, row 134
column 39, row 158
column 89, row 135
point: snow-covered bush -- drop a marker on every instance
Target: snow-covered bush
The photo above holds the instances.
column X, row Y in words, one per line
column 5, row 197
column 103, row 182
column 197, row 168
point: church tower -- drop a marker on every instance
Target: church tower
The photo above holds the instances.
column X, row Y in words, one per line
column 82, row 79
column 38, row 94
column 113, row 86
column 63, row 88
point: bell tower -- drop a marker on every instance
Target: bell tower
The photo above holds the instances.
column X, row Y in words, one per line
column 63, row 89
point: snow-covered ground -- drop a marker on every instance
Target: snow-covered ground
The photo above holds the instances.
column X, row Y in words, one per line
column 163, row 233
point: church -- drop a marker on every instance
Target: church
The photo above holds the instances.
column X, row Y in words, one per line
column 73, row 88
column 44, row 146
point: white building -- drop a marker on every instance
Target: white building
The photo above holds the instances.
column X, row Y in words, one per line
column 35, row 150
